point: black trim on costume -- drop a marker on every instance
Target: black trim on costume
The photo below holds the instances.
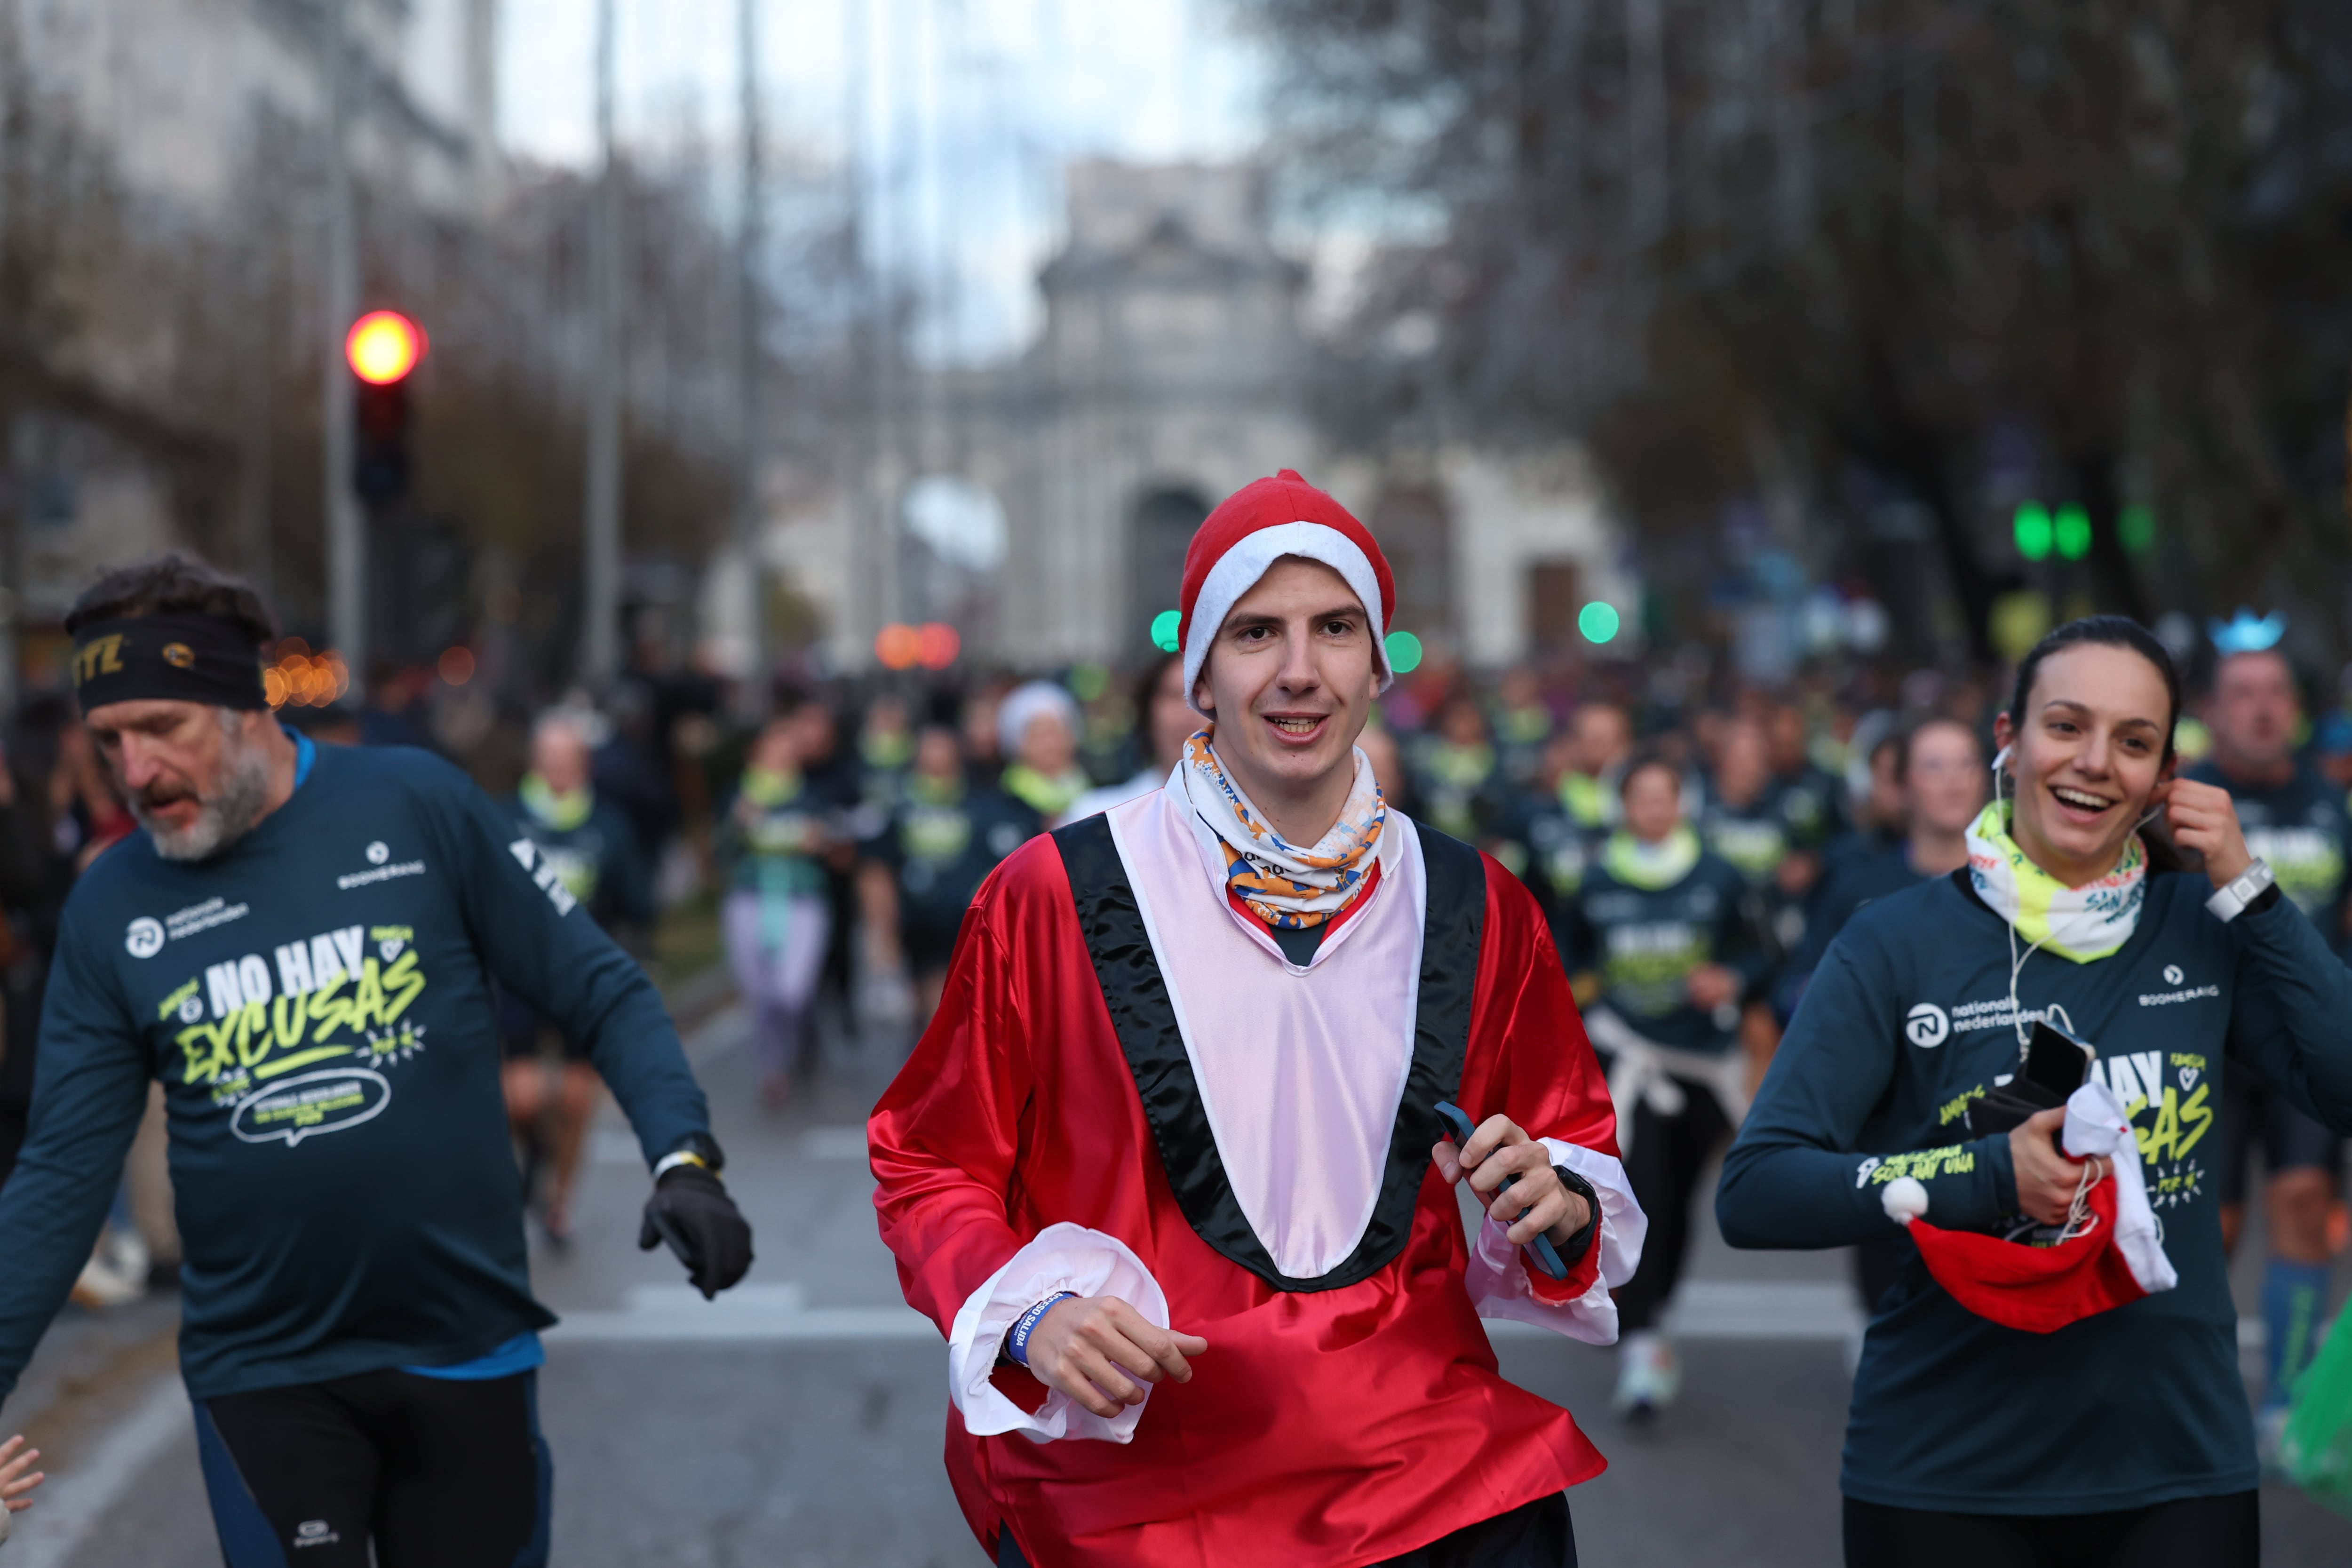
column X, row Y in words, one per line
column 1136, row 991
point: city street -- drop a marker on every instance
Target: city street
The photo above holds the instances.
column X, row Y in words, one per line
column 796, row 1423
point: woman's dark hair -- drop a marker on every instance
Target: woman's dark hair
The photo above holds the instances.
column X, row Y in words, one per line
column 2107, row 631
column 1148, row 682
column 1642, row 759
column 175, row 580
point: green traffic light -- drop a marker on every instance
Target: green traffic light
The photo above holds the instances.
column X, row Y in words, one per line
column 2034, row 531
column 2136, row 529
column 1163, row 629
column 2071, row 533
column 1598, row 621
column 1403, row 651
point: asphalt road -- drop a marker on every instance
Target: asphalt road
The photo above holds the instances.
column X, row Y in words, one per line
column 798, row 1423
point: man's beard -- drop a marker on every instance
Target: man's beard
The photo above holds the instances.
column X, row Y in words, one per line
column 228, row 813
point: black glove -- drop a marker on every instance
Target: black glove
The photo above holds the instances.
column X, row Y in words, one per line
column 691, row 1211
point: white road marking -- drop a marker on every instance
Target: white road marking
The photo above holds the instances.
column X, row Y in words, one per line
column 69, row 1504
column 834, row 1143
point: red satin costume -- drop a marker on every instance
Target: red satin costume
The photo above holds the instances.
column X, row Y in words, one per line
column 1335, row 1427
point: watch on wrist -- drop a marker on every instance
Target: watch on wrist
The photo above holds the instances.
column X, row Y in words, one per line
column 1576, row 1246
column 694, row 1148
column 2240, row 893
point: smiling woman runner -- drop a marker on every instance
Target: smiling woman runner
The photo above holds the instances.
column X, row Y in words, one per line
column 298, row 944
column 2124, row 1436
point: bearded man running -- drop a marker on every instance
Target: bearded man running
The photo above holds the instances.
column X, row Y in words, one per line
column 299, row 946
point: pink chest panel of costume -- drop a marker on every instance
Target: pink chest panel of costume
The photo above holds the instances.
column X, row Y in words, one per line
column 1300, row 1070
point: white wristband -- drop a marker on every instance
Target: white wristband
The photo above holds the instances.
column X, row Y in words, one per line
column 2243, row 889
column 672, row 1161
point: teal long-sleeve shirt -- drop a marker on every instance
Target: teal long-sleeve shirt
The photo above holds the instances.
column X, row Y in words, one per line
column 1906, row 1021
column 315, row 1001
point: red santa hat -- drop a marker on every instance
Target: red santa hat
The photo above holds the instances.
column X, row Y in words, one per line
column 2113, row 1255
column 1252, row 529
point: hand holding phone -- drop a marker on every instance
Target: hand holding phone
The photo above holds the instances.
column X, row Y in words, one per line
column 1459, row 1129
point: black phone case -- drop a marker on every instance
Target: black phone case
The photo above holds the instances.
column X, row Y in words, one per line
column 2016, row 1101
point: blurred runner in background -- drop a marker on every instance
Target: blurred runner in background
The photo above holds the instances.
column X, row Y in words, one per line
column 770, row 841
column 1458, row 781
column 1663, row 951
column 1603, row 739
column 589, row 844
column 1165, row 719
column 2295, row 819
column 936, row 847
column 1038, row 728
column 1940, row 770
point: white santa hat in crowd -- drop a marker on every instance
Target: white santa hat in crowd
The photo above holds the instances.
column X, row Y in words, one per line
column 2115, row 1253
column 1249, row 531
column 1027, row 703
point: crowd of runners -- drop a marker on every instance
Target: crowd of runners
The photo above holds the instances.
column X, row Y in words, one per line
column 1694, row 839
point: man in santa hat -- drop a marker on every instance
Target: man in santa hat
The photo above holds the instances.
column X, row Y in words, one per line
column 1167, row 1168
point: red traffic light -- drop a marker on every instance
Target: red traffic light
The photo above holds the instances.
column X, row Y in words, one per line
column 384, row 346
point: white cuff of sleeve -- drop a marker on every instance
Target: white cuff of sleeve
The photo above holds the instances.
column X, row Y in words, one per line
column 1498, row 1281
column 1059, row 1257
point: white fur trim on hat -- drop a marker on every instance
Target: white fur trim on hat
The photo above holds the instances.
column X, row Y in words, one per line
column 1239, row 568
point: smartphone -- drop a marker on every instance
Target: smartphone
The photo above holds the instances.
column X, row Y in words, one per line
column 1458, row 1127
column 2056, row 1061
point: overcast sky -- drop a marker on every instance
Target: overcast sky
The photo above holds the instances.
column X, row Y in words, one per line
column 971, row 109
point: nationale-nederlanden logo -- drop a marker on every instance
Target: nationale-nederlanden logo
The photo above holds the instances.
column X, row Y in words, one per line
column 145, row 937
column 1927, row 1026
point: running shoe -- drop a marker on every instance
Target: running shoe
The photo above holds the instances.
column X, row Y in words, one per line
column 1648, row 1376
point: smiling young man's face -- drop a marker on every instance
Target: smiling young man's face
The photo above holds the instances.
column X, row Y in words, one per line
column 1289, row 682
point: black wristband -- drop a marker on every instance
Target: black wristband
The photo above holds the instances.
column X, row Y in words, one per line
column 1573, row 1249
column 704, row 1147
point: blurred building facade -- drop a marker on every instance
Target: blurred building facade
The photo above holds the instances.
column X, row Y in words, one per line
column 166, row 165
column 1173, row 367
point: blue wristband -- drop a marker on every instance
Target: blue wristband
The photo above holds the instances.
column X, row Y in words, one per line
column 1016, row 1345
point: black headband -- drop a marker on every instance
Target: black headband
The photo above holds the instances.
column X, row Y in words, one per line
column 179, row 657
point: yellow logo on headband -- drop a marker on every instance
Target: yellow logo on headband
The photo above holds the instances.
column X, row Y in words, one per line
column 101, row 655
column 179, row 656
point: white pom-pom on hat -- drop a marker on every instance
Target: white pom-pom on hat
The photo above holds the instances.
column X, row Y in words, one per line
column 1905, row 1199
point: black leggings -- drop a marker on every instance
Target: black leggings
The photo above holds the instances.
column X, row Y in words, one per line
column 2192, row 1533
column 439, row 1472
column 1669, row 1153
column 1537, row 1535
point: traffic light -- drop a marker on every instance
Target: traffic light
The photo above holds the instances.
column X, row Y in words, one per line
column 382, row 348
